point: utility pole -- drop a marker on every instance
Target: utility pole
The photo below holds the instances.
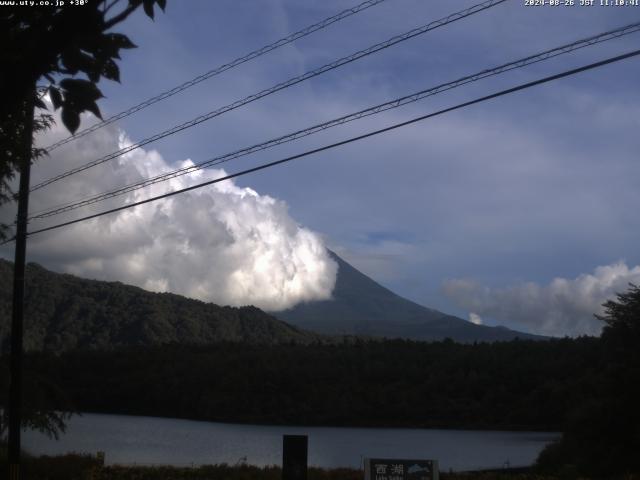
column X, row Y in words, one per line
column 17, row 318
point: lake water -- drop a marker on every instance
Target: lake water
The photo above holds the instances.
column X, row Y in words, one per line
column 163, row 441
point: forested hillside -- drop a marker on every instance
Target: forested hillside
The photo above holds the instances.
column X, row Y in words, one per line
column 65, row 312
column 511, row 385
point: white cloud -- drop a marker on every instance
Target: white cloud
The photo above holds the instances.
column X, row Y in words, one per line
column 475, row 318
column 563, row 307
column 223, row 243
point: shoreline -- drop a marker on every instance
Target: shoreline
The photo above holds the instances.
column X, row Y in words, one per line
column 436, row 427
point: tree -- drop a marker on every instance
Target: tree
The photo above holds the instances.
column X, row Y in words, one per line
column 46, row 409
column 621, row 374
column 70, row 48
column 602, row 435
column 622, row 317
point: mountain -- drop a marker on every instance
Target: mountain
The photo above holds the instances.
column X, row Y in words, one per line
column 65, row 312
column 360, row 306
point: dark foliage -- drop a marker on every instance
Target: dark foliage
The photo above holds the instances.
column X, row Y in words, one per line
column 511, row 385
column 194, row 360
column 54, row 42
column 84, row 467
column 40, row 395
column 70, row 49
column 602, row 434
column 307, row 379
column 65, row 312
column 63, row 467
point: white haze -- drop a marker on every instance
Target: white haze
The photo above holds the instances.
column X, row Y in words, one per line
column 221, row 243
column 563, row 307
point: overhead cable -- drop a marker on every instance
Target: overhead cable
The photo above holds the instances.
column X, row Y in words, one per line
column 220, row 69
column 280, row 86
column 350, row 140
column 547, row 54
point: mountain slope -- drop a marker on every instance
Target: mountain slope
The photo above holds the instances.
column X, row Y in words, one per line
column 363, row 307
column 65, row 312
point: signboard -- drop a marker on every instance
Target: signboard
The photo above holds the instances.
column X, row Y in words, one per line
column 399, row 469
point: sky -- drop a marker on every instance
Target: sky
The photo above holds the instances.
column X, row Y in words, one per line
column 518, row 211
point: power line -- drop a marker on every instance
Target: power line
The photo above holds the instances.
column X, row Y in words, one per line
column 8, row 240
column 220, row 69
column 628, row 29
column 352, row 139
column 280, row 86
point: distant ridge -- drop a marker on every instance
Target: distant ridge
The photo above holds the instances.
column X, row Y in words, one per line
column 64, row 312
column 361, row 306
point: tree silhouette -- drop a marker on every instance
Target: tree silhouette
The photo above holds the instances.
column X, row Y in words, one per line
column 46, row 407
column 622, row 316
column 70, row 48
column 621, row 371
column 602, row 435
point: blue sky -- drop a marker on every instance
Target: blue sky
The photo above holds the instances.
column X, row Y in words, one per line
column 465, row 212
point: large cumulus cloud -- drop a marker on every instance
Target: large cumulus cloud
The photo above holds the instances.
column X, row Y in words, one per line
column 563, row 307
column 223, row 243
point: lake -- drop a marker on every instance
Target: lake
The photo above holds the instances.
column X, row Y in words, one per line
column 164, row 441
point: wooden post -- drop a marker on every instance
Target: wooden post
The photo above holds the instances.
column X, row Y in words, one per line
column 294, row 457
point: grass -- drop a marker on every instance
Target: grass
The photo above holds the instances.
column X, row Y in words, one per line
column 87, row 467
